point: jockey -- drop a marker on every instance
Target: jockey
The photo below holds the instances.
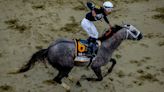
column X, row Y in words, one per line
column 97, row 13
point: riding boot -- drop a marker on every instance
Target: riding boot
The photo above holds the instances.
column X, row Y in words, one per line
column 92, row 46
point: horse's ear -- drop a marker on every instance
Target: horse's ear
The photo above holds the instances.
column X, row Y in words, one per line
column 123, row 23
column 118, row 27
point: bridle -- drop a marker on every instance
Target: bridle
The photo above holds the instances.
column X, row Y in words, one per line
column 132, row 34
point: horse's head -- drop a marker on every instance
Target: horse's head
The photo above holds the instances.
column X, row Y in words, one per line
column 132, row 32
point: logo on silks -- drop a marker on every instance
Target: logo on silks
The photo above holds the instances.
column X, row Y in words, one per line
column 99, row 16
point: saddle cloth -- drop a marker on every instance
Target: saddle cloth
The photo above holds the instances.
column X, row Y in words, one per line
column 83, row 52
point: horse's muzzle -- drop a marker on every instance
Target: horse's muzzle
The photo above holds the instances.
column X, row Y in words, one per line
column 140, row 36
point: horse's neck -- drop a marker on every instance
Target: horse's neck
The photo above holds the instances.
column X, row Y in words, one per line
column 112, row 43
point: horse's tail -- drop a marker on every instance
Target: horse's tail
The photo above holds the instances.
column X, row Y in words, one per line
column 37, row 56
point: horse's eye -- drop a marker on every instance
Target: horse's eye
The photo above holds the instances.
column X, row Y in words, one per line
column 128, row 25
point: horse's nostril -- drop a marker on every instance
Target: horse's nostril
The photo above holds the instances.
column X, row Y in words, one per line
column 140, row 37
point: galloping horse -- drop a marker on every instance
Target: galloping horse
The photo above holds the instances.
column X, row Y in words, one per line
column 60, row 54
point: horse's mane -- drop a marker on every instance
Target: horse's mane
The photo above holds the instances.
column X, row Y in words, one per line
column 109, row 34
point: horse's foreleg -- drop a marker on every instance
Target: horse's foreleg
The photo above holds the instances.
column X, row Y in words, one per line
column 97, row 71
column 113, row 64
column 111, row 68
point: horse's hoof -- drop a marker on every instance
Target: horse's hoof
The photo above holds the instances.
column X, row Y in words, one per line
column 56, row 80
column 66, row 87
column 71, row 78
column 99, row 79
column 110, row 70
column 94, row 79
column 49, row 82
column 89, row 79
column 78, row 84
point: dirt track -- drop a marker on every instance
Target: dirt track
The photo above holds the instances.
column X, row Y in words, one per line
column 29, row 25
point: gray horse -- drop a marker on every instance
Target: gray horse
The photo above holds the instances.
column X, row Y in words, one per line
column 61, row 53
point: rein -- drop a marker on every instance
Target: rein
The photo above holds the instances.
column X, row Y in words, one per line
column 109, row 33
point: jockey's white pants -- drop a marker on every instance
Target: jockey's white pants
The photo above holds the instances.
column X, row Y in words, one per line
column 90, row 28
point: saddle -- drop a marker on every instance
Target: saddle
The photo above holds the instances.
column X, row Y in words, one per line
column 83, row 52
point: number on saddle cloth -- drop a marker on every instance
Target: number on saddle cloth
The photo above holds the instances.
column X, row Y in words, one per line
column 86, row 48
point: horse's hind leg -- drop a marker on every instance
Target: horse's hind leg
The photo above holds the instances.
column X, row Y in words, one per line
column 59, row 77
column 62, row 74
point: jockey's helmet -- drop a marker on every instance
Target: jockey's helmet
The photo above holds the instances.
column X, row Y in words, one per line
column 108, row 6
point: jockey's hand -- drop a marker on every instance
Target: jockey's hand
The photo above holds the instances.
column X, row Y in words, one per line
column 109, row 31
